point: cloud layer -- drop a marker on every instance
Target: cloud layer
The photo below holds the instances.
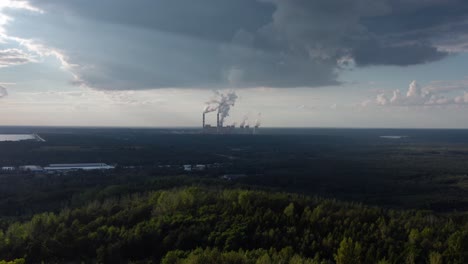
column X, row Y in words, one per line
column 432, row 95
column 146, row 44
column 13, row 57
column 3, row 92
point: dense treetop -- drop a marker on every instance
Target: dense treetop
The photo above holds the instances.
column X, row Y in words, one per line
column 206, row 225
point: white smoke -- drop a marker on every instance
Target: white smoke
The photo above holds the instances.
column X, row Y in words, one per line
column 209, row 109
column 227, row 101
column 258, row 121
column 245, row 121
column 221, row 102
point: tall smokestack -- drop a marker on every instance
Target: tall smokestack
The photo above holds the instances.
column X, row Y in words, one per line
column 217, row 122
column 203, row 124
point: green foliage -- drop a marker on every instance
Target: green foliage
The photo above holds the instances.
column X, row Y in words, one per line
column 349, row 252
column 383, row 261
column 259, row 256
column 435, row 258
column 16, row 261
column 212, row 225
column 289, row 210
column 352, row 165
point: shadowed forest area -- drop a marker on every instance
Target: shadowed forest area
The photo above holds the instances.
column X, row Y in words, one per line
column 320, row 197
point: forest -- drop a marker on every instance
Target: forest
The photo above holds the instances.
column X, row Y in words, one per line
column 335, row 198
column 216, row 225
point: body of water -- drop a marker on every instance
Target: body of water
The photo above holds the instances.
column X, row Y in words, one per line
column 18, row 137
column 393, row 137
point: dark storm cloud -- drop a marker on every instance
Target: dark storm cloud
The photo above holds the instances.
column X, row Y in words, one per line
column 411, row 15
column 246, row 43
column 208, row 19
column 335, row 28
column 373, row 53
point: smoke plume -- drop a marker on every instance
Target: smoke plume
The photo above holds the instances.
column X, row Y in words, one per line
column 209, row 109
column 258, row 122
column 222, row 102
column 244, row 121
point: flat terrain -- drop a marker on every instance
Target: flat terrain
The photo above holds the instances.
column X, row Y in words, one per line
column 425, row 169
column 282, row 196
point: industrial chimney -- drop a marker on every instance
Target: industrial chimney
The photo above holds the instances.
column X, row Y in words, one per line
column 203, row 124
column 218, row 124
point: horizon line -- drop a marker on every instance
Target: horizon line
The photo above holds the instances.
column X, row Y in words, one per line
column 196, row 127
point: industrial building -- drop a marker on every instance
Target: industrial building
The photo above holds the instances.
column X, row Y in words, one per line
column 58, row 168
column 231, row 177
column 221, row 104
column 31, row 168
column 78, row 166
column 8, row 168
column 220, row 128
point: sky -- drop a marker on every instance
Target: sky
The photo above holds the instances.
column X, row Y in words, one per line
column 291, row 63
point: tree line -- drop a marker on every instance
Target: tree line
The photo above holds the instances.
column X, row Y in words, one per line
column 217, row 225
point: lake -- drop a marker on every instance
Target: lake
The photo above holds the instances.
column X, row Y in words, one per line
column 18, row 137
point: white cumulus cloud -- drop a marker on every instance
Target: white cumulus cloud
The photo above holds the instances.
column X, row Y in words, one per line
column 416, row 95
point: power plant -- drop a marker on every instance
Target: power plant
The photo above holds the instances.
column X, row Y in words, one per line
column 222, row 105
column 220, row 128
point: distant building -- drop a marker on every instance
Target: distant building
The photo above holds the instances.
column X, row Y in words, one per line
column 187, row 167
column 8, row 168
column 32, row 168
column 220, row 128
column 231, row 177
column 200, row 167
column 214, row 165
column 79, row 166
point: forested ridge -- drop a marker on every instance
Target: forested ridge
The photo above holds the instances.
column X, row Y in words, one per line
column 216, row 225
